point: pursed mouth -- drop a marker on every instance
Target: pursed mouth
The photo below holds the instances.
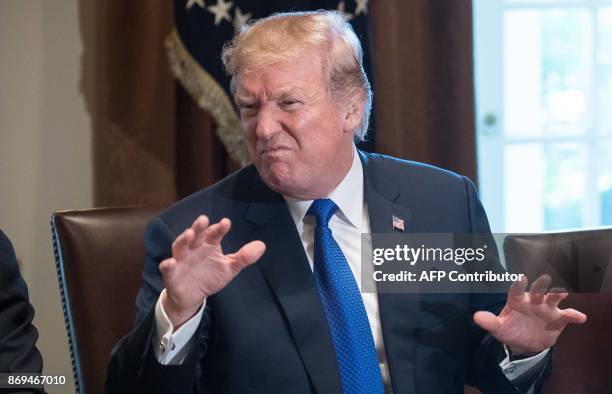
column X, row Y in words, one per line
column 273, row 149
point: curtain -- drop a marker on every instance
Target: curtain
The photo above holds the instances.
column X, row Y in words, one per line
column 423, row 67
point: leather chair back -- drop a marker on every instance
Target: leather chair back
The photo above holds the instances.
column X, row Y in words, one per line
column 99, row 255
column 582, row 262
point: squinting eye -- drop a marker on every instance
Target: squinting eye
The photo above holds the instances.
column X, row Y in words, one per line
column 289, row 103
column 248, row 109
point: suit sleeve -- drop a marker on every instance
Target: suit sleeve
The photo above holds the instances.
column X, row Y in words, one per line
column 484, row 371
column 133, row 367
column 18, row 336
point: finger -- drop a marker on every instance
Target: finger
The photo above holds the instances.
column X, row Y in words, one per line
column 566, row 316
column 517, row 290
column 539, row 288
column 555, row 296
column 215, row 233
column 573, row 316
column 248, row 254
column 180, row 246
column 487, row 321
column 199, row 227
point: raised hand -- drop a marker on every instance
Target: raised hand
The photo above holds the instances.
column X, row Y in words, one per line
column 198, row 267
column 531, row 321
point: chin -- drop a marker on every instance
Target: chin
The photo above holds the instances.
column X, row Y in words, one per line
column 288, row 185
column 280, row 183
column 277, row 176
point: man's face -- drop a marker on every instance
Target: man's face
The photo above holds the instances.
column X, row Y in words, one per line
column 298, row 138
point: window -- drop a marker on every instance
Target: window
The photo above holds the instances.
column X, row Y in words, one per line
column 543, row 72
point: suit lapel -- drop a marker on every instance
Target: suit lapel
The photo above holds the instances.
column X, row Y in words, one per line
column 398, row 312
column 286, row 269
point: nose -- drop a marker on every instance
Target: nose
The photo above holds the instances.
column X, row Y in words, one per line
column 268, row 122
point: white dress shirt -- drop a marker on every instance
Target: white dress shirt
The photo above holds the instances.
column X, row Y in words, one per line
column 347, row 225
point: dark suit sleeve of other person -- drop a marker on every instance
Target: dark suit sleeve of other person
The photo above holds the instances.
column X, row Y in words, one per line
column 18, row 336
column 485, row 372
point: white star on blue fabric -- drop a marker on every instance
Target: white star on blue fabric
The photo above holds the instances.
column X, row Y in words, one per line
column 191, row 3
column 362, row 7
column 342, row 9
column 240, row 19
column 221, row 11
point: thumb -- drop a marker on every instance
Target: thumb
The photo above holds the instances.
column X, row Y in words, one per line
column 487, row 321
column 249, row 253
column 167, row 267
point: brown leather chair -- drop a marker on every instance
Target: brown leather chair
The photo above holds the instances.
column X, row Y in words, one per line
column 580, row 261
column 99, row 255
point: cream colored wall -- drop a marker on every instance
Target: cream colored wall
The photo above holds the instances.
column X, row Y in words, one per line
column 45, row 150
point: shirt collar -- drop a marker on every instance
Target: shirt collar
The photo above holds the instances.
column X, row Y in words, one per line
column 348, row 196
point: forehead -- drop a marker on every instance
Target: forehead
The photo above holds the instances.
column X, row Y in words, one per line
column 301, row 73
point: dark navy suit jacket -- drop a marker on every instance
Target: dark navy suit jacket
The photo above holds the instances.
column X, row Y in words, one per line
column 18, row 336
column 266, row 331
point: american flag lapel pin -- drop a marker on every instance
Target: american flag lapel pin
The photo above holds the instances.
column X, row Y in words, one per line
column 398, row 224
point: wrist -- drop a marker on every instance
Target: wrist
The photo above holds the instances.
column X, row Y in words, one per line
column 177, row 315
column 519, row 353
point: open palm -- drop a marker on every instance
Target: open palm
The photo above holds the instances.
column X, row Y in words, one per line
column 530, row 321
column 198, row 267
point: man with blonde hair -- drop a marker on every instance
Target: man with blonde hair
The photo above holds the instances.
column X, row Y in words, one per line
column 274, row 305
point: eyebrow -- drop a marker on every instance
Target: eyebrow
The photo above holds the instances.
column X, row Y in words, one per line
column 245, row 97
column 287, row 94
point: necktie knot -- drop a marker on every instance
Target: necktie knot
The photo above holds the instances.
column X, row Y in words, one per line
column 322, row 209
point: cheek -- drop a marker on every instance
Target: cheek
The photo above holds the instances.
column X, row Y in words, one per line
column 247, row 126
column 248, row 133
column 324, row 142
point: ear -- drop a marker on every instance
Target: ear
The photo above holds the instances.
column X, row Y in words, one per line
column 353, row 112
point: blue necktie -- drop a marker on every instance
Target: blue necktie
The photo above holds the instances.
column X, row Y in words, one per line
column 343, row 305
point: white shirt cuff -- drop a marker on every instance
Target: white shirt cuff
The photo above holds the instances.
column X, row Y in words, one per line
column 514, row 369
column 171, row 347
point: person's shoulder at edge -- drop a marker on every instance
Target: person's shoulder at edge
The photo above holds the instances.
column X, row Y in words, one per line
column 18, row 336
column 5, row 244
column 8, row 259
